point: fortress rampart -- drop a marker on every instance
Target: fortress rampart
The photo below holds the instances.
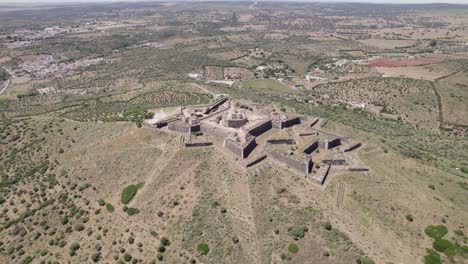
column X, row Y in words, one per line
column 280, row 124
column 357, row 169
column 198, row 144
column 286, row 141
column 242, row 150
column 352, row 147
column 322, row 174
column 311, row 147
column 255, row 160
column 301, row 165
column 329, row 143
column 179, row 127
column 214, row 131
column 260, row 128
column 335, row 162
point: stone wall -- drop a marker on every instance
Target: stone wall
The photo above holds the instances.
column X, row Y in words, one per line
column 234, row 147
column 352, row 147
column 260, row 128
column 198, row 144
column 216, row 105
column 280, row 124
column 213, row 131
column 335, row 162
column 236, row 123
column 164, row 123
column 255, row 160
column 248, row 147
column 357, row 169
column 321, row 175
column 303, row 165
column 311, row 147
column 179, row 127
column 329, row 143
column 314, row 122
column 285, row 141
column 241, row 150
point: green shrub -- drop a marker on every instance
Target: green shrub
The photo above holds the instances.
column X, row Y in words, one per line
column 96, row 257
column 436, row 231
column 127, row 257
column 432, row 257
column 409, row 217
column 293, row 248
column 110, row 207
column 101, row 202
column 203, row 249
column 75, row 246
column 129, row 192
column 132, row 211
column 165, row 241
column 328, row 226
column 442, row 244
column 364, row 260
column 26, row 260
column 79, row 227
column 459, row 232
column 297, row 231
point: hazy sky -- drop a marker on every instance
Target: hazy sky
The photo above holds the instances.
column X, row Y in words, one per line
column 369, row 1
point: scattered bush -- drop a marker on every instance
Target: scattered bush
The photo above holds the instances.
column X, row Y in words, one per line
column 442, row 244
column 132, row 211
column 110, row 207
column 436, row 231
column 129, row 192
column 409, row 218
column 165, row 241
column 459, row 232
column 328, row 226
column 293, row 248
column 101, row 202
column 127, row 257
column 297, row 231
column 203, row 249
column 432, row 257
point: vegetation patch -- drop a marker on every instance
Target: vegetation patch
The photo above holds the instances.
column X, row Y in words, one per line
column 293, row 248
column 297, row 231
column 432, row 257
column 436, row 232
column 129, row 192
column 110, row 207
column 132, row 211
column 137, row 116
column 203, row 249
column 442, row 245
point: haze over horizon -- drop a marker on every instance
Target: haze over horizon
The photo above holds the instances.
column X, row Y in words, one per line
column 343, row 1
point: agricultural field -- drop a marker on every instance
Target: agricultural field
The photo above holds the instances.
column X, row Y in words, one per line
column 87, row 176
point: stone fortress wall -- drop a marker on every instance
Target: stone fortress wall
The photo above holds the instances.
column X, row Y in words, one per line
column 352, row 146
column 311, row 147
column 286, row 141
column 179, row 126
column 289, row 122
column 329, row 143
column 213, row 131
column 239, row 129
column 260, row 128
column 241, row 150
column 303, row 165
